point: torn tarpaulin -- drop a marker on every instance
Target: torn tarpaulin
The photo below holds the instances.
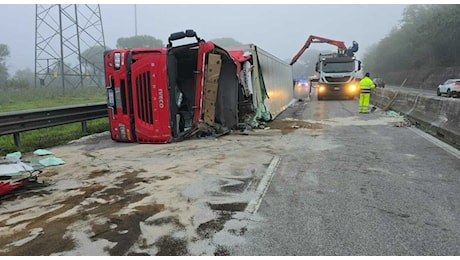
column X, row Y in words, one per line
column 11, row 166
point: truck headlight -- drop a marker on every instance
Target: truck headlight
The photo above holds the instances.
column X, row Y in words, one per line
column 321, row 88
column 117, row 60
column 352, row 88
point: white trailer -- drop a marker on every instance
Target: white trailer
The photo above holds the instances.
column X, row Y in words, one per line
column 267, row 81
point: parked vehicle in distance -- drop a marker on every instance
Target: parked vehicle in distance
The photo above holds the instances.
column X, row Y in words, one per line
column 450, row 87
column 379, row 82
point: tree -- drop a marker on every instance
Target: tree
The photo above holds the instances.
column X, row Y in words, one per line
column 93, row 59
column 22, row 79
column 93, row 63
column 4, row 53
column 428, row 37
column 139, row 41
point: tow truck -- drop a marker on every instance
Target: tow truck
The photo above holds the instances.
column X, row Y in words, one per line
column 337, row 72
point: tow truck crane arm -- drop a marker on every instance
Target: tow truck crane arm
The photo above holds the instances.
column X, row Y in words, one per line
column 316, row 39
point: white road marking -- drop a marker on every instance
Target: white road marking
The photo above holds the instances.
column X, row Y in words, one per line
column 254, row 204
column 448, row 148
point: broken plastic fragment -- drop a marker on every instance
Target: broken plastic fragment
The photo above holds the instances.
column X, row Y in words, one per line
column 15, row 155
column 50, row 161
column 42, row 152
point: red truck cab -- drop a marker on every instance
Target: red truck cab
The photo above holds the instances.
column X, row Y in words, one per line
column 173, row 92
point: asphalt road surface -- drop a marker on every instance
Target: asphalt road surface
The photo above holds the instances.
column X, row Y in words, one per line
column 320, row 179
column 359, row 188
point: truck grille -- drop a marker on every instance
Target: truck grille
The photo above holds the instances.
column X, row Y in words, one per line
column 144, row 98
column 340, row 79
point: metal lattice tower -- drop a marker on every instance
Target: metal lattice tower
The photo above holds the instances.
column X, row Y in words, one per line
column 69, row 46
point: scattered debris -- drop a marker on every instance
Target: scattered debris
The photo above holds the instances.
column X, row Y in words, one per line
column 404, row 123
column 392, row 113
column 51, row 161
column 16, row 173
column 42, row 152
column 13, row 182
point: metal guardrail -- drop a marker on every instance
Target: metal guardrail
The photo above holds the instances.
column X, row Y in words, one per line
column 25, row 120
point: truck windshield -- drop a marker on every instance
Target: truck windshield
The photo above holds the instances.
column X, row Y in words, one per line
column 338, row 66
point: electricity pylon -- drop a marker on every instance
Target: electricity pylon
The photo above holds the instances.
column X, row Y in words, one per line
column 69, row 45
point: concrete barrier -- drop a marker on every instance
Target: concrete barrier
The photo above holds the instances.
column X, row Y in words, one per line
column 439, row 116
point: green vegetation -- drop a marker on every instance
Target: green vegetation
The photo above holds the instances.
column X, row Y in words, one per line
column 24, row 98
column 4, row 53
column 52, row 136
column 427, row 37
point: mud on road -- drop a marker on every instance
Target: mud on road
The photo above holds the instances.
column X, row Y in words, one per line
column 110, row 198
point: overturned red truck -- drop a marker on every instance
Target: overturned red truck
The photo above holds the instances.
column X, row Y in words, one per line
column 161, row 95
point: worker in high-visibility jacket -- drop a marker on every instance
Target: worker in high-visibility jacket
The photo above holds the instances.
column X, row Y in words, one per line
column 366, row 84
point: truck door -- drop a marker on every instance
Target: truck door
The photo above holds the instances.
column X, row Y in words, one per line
column 150, row 98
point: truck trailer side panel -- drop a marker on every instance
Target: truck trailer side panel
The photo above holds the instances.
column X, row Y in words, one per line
column 277, row 77
column 266, row 80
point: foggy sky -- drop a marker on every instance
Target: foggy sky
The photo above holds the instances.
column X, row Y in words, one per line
column 278, row 29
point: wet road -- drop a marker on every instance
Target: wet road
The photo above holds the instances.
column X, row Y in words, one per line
column 359, row 187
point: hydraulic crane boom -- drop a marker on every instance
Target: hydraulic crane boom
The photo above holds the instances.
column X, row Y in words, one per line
column 316, row 39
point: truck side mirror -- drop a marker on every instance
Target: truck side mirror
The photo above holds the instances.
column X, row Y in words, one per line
column 190, row 33
column 359, row 65
column 180, row 35
column 177, row 36
column 316, row 67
